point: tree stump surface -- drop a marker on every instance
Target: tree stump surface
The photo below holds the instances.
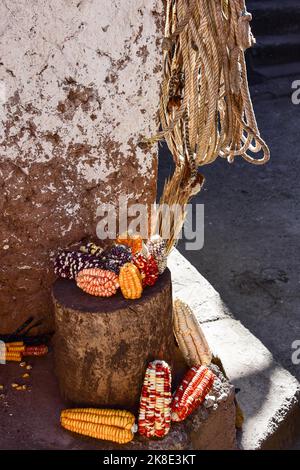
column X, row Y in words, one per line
column 103, row 345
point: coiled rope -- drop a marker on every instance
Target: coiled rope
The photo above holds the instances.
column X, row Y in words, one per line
column 205, row 105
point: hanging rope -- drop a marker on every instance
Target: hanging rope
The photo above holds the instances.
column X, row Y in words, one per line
column 205, row 106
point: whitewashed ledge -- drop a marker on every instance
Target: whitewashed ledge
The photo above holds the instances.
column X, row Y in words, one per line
column 269, row 394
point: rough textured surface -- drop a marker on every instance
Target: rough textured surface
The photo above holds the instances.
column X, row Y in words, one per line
column 103, row 346
column 43, row 427
column 269, row 394
column 44, row 431
column 79, row 83
column 212, row 426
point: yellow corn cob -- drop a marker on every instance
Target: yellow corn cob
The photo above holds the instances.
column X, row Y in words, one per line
column 189, row 335
column 130, row 281
column 111, row 425
column 18, row 349
column 14, row 343
column 11, row 356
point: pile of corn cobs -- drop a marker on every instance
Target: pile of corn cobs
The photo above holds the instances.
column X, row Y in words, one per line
column 157, row 407
column 129, row 264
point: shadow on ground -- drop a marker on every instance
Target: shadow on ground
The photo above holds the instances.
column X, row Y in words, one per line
column 251, row 249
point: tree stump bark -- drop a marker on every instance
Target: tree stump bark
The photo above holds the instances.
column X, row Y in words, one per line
column 102, row 346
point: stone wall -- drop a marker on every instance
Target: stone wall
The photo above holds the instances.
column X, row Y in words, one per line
column 79, row 83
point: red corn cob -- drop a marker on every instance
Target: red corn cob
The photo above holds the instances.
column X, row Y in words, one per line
column 148, row 268
column 155, row 410
column 191, row 392
column 40, row 350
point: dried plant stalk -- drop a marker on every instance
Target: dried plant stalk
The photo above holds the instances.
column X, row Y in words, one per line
column 205, row 106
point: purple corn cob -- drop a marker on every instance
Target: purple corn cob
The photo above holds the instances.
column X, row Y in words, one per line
column 68, row 263
column 115, row 257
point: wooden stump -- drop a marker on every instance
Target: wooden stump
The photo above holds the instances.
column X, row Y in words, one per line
column 102, row 346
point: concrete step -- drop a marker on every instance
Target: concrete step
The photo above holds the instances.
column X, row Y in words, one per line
column 278, row 70
column 269, row 395
column 276, row 49
column 271, row 17
column 273, row 88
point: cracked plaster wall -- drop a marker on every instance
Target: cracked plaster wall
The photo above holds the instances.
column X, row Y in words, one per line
column 79, row 83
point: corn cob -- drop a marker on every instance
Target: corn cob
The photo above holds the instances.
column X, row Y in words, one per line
column 112, row 425
column 91, row 249
column 135, row 242
column 116, row 256
column 189, row 335
column 40, row 350
column 67, row 264
column 15, row 349
column 130, row 280
column 148, row 269
column 98, row 282
column 11, row 356
column 14, row 344
column 155, row 412
column 192, row 391
column 157, row 248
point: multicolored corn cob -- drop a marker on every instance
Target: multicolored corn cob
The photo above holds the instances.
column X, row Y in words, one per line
column 111, row 425
column 189, row 335
column 157, row 248
column 98, row 282
column 148, row 269
column 69, row 263
column 155, row 404
column 14, row 351
column 135, row 242
column 130, row 281
column 91, row 249
column 115, row 257
column 192, row 391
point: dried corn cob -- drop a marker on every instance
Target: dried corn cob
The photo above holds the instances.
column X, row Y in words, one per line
column 91, row 249
column 11, row 356
column 40, row 350
column 135, row 242
column 15, row 349
column 14, row 344
column 130, row 280
column 116, row 256
column 112, row 425
column 148, row 269
column 98, row 282
column 68, row 263
column 155, row 410
column 192, row 391
column 189, row 335
column 157, row 248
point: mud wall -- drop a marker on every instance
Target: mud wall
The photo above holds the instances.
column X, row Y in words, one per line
column 79, row 84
